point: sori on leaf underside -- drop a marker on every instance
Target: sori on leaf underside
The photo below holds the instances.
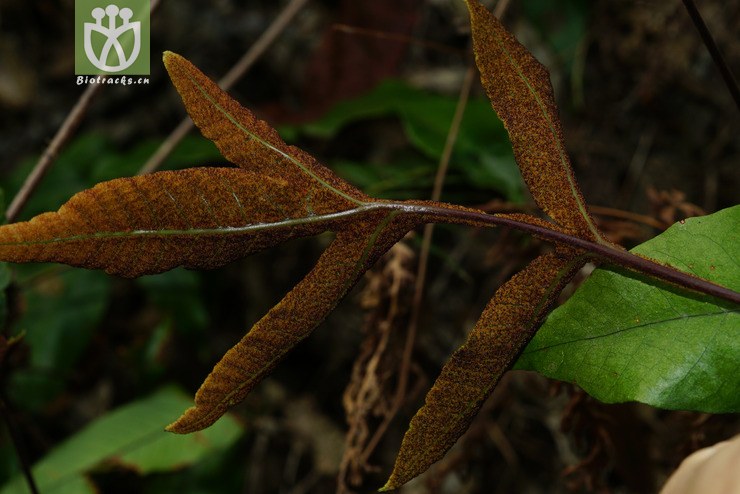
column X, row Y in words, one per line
column 203, row 218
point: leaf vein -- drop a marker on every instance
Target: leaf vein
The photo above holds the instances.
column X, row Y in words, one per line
column 304, row 168
column 630, row 328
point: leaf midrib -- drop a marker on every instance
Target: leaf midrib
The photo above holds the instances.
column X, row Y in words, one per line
column 530, row 321
column 263, row 142
column 561, row 152
column 222, row 230
column 542, row 303
column 610, row 334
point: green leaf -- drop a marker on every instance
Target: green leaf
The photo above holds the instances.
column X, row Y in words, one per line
column 177, row 294
column 132, row 436
column 562, row 25
column 482, row 151
column 623, row 339
column 62, row 309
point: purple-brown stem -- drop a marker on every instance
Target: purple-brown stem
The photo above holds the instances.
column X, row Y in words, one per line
column 599, row 251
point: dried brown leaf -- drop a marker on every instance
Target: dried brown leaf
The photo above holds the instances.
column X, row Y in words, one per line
column 507, row 324
column 521, row 94
column 386, row 297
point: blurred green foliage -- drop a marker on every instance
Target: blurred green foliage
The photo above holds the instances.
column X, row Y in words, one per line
column 563, row 25
column 93, row 158
column 61, row 308
column 482, row 157
column 131, row 437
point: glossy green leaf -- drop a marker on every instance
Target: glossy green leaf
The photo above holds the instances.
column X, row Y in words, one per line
column 133, row 437
column 622, row 338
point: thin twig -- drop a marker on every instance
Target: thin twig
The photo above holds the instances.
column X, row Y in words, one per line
column 531, row 208
column 50, row 154
column 602, row 252
column 636, row 168
column 500, row 9
column 444, row 162
column 263, row 43
column 439, row 179
column 235, row 73
column 714, row 51
column 424, row 254
column 429, row 229
column 408, row 348
column 628, row 215
column 400, row 38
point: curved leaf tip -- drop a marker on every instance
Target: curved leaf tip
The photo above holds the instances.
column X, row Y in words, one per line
column 251, row 143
